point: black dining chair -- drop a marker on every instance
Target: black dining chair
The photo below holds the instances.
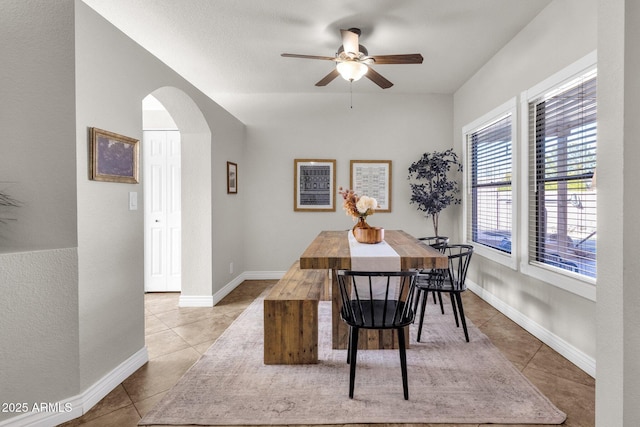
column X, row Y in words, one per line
column 435, row 242
column 450, row 280
column 376, row 300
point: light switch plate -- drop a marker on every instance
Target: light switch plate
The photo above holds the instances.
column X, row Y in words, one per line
column 133, row 200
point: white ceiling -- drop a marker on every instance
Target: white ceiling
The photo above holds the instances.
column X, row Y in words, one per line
column 227, row 47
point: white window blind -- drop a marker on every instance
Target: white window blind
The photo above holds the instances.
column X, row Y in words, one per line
column 490, row 215
column 562, row 200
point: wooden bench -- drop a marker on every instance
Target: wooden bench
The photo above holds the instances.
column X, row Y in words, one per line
column 291, row 316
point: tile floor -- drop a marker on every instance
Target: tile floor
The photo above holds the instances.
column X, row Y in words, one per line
column 176, row 337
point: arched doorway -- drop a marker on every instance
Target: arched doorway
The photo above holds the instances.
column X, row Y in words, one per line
column 196, row 230
column 162, row 174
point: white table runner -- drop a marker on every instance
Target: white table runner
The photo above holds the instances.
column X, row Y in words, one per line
column 372, row 257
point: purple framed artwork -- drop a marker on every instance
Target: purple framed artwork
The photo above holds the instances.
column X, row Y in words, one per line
column 114, row 158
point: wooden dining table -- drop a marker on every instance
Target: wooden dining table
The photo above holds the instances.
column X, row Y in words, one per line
column 330, row 250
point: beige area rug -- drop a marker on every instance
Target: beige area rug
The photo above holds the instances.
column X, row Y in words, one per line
column 450, row 381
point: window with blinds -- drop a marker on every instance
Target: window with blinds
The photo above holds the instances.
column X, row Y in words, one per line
column 489, row 218
column 562, row 168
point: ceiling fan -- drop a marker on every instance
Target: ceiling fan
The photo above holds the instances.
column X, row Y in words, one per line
column 353, row 61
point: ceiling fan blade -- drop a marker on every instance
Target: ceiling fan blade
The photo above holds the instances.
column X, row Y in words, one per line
column 375, row 77
column 295, row 55
column 350, row 42
column 328, row 78
column 410, row 58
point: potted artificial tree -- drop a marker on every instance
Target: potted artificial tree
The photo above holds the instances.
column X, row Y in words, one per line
column 432, row 187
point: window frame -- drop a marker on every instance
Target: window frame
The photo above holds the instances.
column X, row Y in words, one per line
column 504, row 258
column 572, row 282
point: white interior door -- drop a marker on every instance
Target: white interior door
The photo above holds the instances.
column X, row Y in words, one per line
column 162, row 254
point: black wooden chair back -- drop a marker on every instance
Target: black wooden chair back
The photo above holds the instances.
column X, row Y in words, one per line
column 435, row 241
column 459, row 259
column 438, row 243
column 377, row 300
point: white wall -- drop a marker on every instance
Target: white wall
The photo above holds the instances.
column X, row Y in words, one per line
column 562, row 33
column 71, row 269
column 396, row 127
column 618, row 294
column 37, row 164
column 39, row 333
column 113, row 75
column 38, row 261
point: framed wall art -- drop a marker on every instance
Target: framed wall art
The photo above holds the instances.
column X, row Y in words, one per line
column 314, row 185
column 372, row 178
column 114, row 158
column 232, row 178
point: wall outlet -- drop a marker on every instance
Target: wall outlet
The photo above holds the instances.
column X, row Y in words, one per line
column 230, row 268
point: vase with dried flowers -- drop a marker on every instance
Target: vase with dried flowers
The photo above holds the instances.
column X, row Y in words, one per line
column 359, row 207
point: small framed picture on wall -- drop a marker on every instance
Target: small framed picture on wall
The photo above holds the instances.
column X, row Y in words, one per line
column 232, row 178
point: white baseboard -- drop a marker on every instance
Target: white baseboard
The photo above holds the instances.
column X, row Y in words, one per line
column 99, row 390
column 217, row 297
column 263, row 275
column 78, row 405
column 195, row 301
column 571, row 353
column 211, row 300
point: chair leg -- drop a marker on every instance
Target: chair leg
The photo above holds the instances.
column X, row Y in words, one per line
column 455, row 311
column 433, row 294
column 461, row 311
column 423, row 308
column 439, row 299
column 349, row 347
column 416, row 300
column 353, row 356
column 403, row 362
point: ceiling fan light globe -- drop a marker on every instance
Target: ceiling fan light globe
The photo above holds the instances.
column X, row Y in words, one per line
column 352, row 70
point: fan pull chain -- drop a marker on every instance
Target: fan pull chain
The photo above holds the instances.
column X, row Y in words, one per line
column 351, row 94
